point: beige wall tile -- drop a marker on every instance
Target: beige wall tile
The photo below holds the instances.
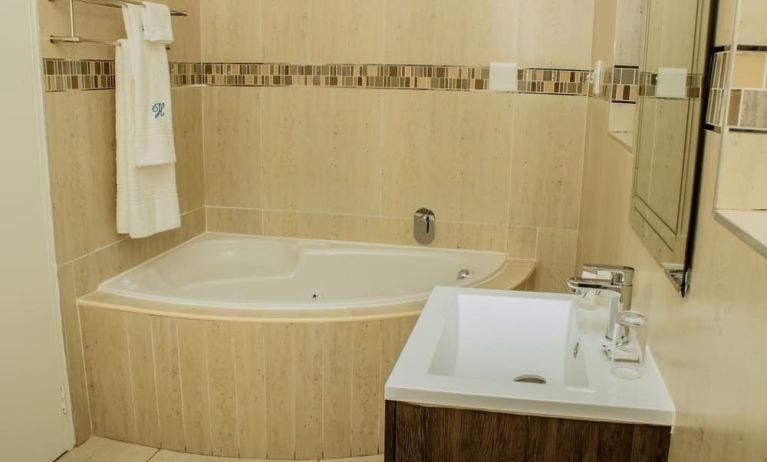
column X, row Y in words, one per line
column 187, row 129
column 279, row 354
column 749, row 70
column 394, row 335
column 193, row 368
column 186, row 31
column 319, row 226
column 222, row 389
column 107, row 365
column 321, row 150
column 332, row 31
column 602, row 46
column 81, row 154
column 233, row 220
column 142, row 378
column 521, row 242
column 308, row 400
column 556, row 259
column 70, row 320
column 231, row 30
column 451, row 32
column 232, row 146
column 549, row 136
column 366, row 397
column 741, row 172
column 168, row 372
column 555, row 33
column 337, row 386
column 251, row 389
column 725, row 22
column 91, row 21
column 753, row 17
column 449, row 235
column 449, row 152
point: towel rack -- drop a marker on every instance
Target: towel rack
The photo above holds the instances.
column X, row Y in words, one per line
column 74, row 38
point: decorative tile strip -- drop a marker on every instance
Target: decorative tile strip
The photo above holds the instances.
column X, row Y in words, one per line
column 648, row 82
column 717, row 91
column 64, row 75
column 392, row 76
column 554, row 81
column 748, row 110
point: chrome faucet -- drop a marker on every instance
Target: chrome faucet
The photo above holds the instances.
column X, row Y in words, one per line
column 619, row 287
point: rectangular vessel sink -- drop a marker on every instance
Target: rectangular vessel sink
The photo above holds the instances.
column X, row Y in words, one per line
column 521, row 352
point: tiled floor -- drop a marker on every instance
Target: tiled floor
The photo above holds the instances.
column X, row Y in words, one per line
column 103, row 450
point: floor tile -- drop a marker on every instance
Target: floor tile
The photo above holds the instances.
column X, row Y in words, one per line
column 100, row 450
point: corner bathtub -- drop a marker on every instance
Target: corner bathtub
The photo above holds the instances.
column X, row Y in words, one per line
column 269, row 348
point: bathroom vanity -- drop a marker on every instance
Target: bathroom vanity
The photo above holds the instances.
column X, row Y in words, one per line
column 506, row 376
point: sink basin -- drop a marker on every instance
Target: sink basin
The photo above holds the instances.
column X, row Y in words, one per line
column 534, row 343
column 521, row 352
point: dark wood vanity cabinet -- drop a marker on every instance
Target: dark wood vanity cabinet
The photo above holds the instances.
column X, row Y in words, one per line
column 433, row 434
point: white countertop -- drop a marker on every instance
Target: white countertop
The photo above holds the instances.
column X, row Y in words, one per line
column 465, row 354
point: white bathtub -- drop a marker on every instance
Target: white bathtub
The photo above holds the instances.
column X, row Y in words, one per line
column 229, row 271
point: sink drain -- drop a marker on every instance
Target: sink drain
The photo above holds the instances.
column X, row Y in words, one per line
column 530, row 379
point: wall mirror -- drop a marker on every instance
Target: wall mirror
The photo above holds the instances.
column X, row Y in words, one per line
column 675, row 49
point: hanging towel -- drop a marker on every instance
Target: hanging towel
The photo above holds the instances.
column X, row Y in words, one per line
column 147, row 199
column 154, row 117
column 157, row 25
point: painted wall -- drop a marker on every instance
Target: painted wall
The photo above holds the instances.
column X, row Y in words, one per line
column 709, row 345
column 81, row 147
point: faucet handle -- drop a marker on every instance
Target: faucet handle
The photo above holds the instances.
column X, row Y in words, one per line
column 623, row 275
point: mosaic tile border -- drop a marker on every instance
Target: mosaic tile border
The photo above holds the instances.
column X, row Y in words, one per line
column 65, row 75
column 747, row 98
column 621, row 85
column 648, row 82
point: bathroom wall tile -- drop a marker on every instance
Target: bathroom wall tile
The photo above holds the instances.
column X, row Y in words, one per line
column 602, row 46
column 279, row 354
column 308, row 391
column 193, row 358
column 187, row 45
column 449, row 152
column 234, row 220
column 91, row 21
column 337, row 386
column 556, row 259
column 741, row 172
column 549, row 137
column 332, row 31
column 749, row 70
column 92, row 269
column 81, row 154
column 521, row 242
column 366, row 359
column 724, row 23
column 107, row 365
column 394, row 335
column 142, row 378
column 231, row 30
column 167, row 370
column 448, row 234
column 319, row 226
column 222, row 389
column 73, row 347
column 187, row 129
column 232, row 143
column 251, row 389
column 451, row 32
column 753, row 17
column 321, row 150
column 555, row 34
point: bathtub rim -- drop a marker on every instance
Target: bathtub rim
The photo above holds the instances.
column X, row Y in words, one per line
column 513, row 274
column 416, row 297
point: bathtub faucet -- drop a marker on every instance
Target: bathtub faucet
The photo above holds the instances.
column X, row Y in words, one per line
column 619, row 287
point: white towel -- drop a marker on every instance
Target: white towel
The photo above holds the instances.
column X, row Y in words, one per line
column 147, row 200
column 157, row 24
column 154, row 118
